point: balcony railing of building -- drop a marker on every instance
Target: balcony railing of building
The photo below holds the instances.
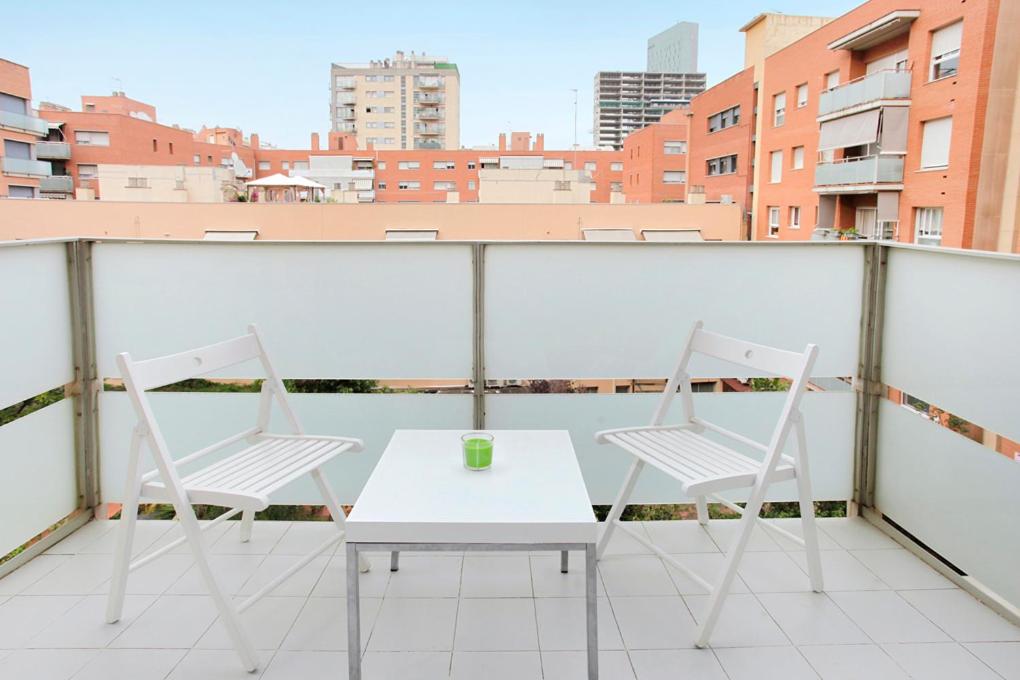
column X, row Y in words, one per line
column 423, row 129
column 346, row 98
column 20, row 122
column 429, row 82
column 345, row 83
column 872, row 88
column 856, row 171
column 57, row 184
column 429, row 113
column 70, row 306
column 429, row 98
column 23, row 166
column 427, row 144
column 53, row 150
column 346, row 114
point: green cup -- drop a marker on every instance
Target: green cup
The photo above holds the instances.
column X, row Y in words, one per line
column 477, row 447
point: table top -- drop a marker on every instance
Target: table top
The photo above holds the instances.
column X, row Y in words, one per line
column 420, row 492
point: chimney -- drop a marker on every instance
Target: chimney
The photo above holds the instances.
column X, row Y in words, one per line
column 502, row 141
column 539, row 142
column 254, row 140
column 315, row 141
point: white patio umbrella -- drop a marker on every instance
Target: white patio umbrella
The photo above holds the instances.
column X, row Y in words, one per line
column 281, row 188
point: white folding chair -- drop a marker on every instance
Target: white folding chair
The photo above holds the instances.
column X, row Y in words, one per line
column 242, row 481
column 705, row 467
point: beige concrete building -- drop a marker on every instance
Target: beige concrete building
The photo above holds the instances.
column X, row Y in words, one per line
column 408, row 102
column 535, row 185
column 167, row 183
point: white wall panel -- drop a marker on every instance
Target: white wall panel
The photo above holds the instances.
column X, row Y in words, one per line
column 624, row 311
column 35, row 321
column 38, row 485
column 952, row 334
column 327, row 310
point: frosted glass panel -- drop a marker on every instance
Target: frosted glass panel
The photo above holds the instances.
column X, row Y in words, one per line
column 38, row 485
column 190, row 421
column 828, row 417
column 327, row 310
column 952, row 332
column 624, row 311
column 956, row 496
column 35, row 321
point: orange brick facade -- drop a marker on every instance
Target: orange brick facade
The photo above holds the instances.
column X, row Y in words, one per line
column 15, row 81
column 646, row 161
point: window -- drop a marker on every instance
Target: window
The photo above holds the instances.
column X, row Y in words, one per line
column 561, row 185
column 171, row 146
column 674, row 177
column 378, row 94
column 945, row 51
column 408, row 165
column 471, row 185
column 773, row 221
column 935, row 136
column 155, row 146
column 779, row 109
column 381, row 165
column 831, row 80
column 197, row 159
column 616, row 186
column 616, row 167
column 443, row 165
column 724, row 165
column 87, row 171
column 138, row 183
column 798, row 158
column 92, row 138
column 802, row 95
column 16, row 149
column 409, row 185
column 928, row 226
column 382, row 185
column 794, row 217
column 674, row 148
column 444, row 186
column 265, row 165
column 724, row 119
column 285, row 165
column 590, row 166
column 300, row 165
column 568, row 166
column 776, row 174
column 16, row 191
column 470, row 165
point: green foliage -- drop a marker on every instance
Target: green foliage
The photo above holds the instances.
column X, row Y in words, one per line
column 646, row 513
column 316, row 386
column 31, row 405
column 769, row 385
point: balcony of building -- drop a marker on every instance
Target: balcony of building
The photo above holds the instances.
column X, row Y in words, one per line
column 19, row 122
column 57, row 184
column 429, row 98
column 420, row 143
column 60, row 151
column 867, row 173
column 429, row 129
column 429, row 82
column 882, row 88
column 920, row 580
column 25, row 167
column 429, row 113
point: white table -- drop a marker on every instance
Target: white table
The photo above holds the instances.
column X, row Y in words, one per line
column 421, row 497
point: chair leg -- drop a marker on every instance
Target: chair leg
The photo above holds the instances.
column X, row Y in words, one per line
column 619, row 505
column 247, row 521
column 732, row 561
column 807, row 512
column 122, row 558
column 337, row 513
column 702, row 504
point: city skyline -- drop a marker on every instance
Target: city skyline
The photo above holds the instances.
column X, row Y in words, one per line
column 256, row 80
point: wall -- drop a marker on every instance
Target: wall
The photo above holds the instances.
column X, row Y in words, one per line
column 47, row 219
column 645, row 160
column 166, row 183
column 533, row 186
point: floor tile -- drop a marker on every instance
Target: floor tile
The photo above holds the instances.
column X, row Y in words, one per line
column 503, row 576
column 304, row 537
column 288, row 665
column 842, row 571
column 742, row 623
column 963, row 617
column 131, row 664
column 635, row 576
column 266, row 622
column 264, row 537
column 333, row 581
column 812, row 619
column 886, row 617
column 156, row 577
column 147, row 532
column 548, row 581
column 404, row 666
column 209, row 536
column 322, row 624
column 623, row 544
column 45, row 664
column 30, row 572
column 217, row 664
column 794, row 526
column 425, row 576
column 415, row 624
column 232, row 571
column 901, row 570
column 25, row 616
column 706, row 565
column 852, row 662
column 173, row 621
column 613, row 665
column 680, row 537
column 772, row 572
column 856, row 533
column 82, row 537
column 562, row 624
column 492, row 625
column 85, row 626
column 724, row 533
column 300, row 584
column 765, row 663
column 1002, row 657
column 670, row 664
column 941, row 661
column 496, row 666
column 660, row 622
column 80, row 575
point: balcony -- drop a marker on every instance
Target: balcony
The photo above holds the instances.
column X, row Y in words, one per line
column 892, row 606
column 57, row 151
column 28, row 168
column 427, row 144
column 429, row 83
column 19, row 122
column 429, row 114
column 871, row 90
column 423, row 129
column 866, row 172
column 57, row 184
column 429, row 98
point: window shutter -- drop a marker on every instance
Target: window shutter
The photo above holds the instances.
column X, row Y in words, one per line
column 935, row 142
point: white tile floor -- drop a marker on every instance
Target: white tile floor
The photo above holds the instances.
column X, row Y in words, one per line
column 885, row 614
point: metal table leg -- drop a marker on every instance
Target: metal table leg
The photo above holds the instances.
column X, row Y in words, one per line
column 564, row 561
column 353, row 614
column 593, row 608
column 394, row 560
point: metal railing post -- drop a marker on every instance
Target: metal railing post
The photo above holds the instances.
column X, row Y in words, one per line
column 478, row 364
column 868, row 381
column 86, row 380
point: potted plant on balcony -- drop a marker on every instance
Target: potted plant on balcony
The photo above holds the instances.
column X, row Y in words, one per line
column 849, row 234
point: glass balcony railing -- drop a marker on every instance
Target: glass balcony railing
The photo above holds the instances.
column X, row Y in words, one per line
column 867, row 170
column 429, row 114
column 429, row 82
column 22, row 123
column 428, row 98
column 427, row 144
column 53, row 150
column 57, row 184
column 20, row 166
column 875, row 87
column 429, row 129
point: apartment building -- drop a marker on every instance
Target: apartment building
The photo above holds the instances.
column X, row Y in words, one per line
column 22, row 169
column 674, row 50
column 628, row 101
column 656, row 160
column 408, row 102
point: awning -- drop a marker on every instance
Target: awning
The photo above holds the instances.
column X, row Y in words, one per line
column 894, row 129
column 608, row 234
column 230, row 234
column 672, row 235
column 888, row 206
column 826, row 212
column 860, row 128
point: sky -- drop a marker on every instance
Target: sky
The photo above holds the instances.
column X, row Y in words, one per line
column 264, row 66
